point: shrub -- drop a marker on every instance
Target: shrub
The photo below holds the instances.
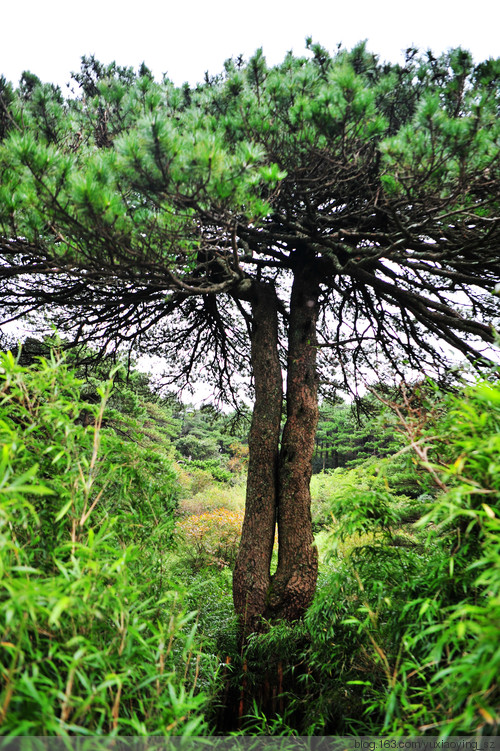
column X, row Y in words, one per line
column 349, row 493
column 93, row 639
column 213, row 466
column 404, row 640
column 239, row 457
column 211, row 538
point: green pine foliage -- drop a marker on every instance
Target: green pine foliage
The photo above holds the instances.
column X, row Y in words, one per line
column 347, row 434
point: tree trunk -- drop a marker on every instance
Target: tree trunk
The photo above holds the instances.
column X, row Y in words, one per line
column 278, row 481
column 294, row 583
column 252, row 578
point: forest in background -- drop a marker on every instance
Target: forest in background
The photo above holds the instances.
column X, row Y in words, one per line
column 120, row 520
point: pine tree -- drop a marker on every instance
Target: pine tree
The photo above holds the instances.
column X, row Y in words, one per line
column 329, row 213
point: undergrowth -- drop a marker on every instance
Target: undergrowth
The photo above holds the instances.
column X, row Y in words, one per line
column 402, row 637
column 94, row 638
column 116, row 612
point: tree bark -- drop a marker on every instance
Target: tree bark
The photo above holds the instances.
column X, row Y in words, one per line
column 278, row 480
column 252, row 578
column 294, row 582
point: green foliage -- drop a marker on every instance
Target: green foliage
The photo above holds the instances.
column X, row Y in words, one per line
column 405, row 628
column 215, row 469
column 348, row 435
column 93, row 639
column 162, row 193
column 194, row 447
column 372, row 496
column 207, row 441
column 210, row 538
column 141, row 204
column 6, row 101
column 209, row 593
column 402, row 637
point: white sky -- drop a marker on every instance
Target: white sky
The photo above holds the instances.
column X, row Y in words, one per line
column 184, row 39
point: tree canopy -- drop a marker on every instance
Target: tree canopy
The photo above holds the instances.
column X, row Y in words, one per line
column 136, row 200
column 333, row 211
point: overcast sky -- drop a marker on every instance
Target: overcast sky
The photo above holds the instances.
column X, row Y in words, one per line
column 186, row 38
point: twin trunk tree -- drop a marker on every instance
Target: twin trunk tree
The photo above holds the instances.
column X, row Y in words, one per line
column 279, row 475
column 329, row 208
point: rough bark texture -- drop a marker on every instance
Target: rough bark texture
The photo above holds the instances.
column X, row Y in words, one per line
column 294, row 582
column 251, row 579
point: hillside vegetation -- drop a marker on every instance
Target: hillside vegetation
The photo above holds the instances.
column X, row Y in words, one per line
column 120, row 516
